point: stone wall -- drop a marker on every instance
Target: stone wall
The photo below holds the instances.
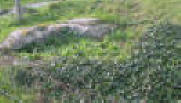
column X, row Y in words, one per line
column 41, row 33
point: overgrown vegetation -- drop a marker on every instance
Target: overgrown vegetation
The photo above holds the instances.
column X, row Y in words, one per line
column 139, row 60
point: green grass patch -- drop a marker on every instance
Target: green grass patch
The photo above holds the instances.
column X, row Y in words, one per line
column 8, row 4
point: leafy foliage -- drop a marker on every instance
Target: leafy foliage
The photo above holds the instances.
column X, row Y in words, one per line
column 149, row 73
column 100, row 68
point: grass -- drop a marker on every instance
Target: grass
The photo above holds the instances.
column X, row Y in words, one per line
column 12, row 93
column 75, row 46
column 71, row 45
column 7, row 4
column 130, row 12
column 54, row 13
column 115, row 46
column 155, row 9
column 116, row 12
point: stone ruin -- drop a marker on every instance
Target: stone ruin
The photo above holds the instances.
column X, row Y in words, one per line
column 40, row 33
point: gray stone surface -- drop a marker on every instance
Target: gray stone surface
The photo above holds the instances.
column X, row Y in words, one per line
column 39, row 34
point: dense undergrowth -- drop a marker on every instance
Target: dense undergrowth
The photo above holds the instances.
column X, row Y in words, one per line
column 126, row 62
column 150, row 72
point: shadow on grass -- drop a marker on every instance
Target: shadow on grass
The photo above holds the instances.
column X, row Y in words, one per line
column 55, row 41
